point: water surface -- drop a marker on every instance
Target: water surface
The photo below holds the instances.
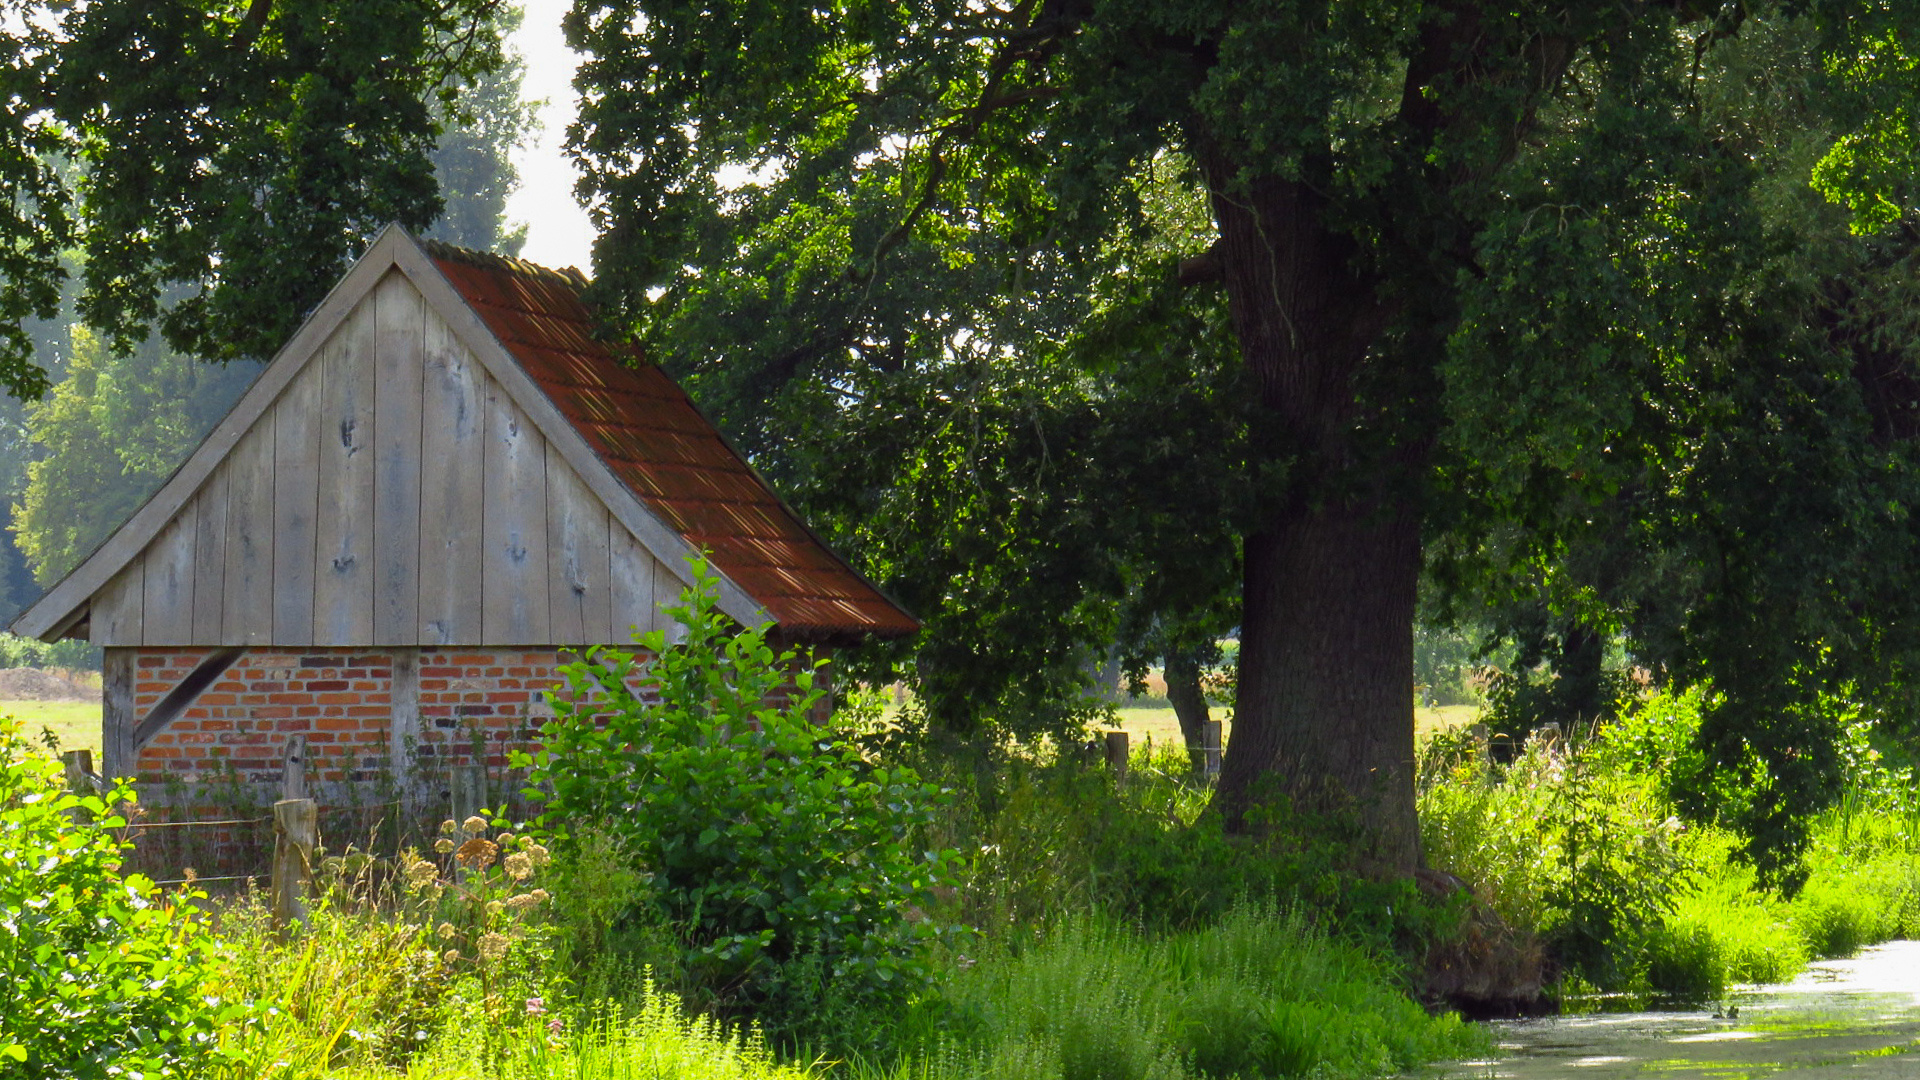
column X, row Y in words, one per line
column 1858, row 1019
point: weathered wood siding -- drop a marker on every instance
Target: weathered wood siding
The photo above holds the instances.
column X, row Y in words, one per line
column 393, row 495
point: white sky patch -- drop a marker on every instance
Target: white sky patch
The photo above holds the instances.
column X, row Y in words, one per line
column 558, row 231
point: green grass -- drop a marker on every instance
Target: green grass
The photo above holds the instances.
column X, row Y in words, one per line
column 1261, row 993
column 75, row 723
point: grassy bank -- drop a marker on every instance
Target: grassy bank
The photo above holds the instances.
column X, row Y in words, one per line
column 1580, row 851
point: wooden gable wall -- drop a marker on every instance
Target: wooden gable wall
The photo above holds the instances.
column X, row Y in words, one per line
column 392, row 495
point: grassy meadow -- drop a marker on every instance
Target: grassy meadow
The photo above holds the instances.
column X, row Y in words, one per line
column 76, row 724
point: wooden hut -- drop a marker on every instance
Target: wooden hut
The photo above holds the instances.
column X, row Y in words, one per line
column 442, row 486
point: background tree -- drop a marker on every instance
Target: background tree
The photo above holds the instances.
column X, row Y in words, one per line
column 106, row 437
column 1480, row 263
column 238, row 154
column 117, row 425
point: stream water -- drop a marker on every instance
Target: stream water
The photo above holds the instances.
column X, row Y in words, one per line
column 1857, row 1018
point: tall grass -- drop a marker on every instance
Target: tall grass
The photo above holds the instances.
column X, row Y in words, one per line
column 1262, row 992
column 1579, row 847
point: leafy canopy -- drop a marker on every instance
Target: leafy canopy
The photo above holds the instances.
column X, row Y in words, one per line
column 240, row 151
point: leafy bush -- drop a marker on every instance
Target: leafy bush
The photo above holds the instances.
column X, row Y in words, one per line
column 28, row 652
column 103, row 976
column 784, row 859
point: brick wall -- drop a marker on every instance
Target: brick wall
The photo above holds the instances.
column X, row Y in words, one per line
column 368, row 716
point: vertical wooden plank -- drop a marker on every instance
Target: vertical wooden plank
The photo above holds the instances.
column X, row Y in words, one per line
column 167, row 617
column 296, row 493
column 343, row 563
column 210, row 558
column 514, row 589
column 404, row 735
column 631, row 576
column 667, row 587
column 116, row 712
column 577, row 559
column 247, row 614
column 117, row 615
column 400, row 318
column 453, row 440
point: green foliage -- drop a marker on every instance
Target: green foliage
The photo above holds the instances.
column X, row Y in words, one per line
column 1259, row 993
column 788, row 863
column 1578, row 847
column 30, row 652
column 243, row 150
column 105, row 977
column 108, row 435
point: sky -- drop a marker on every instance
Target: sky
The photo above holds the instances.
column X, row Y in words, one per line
column 558, row 232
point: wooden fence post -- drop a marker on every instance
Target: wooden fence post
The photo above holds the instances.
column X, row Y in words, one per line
column 468, row 787
column 1211, row 739
column 296, row 832
column 293, row 769
column 78, row 767
column 1117, row 756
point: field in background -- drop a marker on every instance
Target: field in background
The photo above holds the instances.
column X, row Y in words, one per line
column 75, row 723
column 1143, row 722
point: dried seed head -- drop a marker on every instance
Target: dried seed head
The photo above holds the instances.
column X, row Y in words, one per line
column 451, row 956
column 443, row 845
column 477, row 853
column 522, row 902
column 446, row 930
column 518, row 866
column 448, row 826
column 493, row 947
column 474, row 825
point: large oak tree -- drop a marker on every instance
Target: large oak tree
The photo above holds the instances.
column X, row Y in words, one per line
column 1495, row 276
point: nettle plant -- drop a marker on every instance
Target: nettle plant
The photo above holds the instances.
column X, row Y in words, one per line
column 103, row 975
column 783, row 859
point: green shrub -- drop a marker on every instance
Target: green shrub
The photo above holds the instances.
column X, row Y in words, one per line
column 29, row 652
column 786, row 862
column 104, row 977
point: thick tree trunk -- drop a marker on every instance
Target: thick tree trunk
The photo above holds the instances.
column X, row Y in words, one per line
column 1324, row 716
column 1189, row 703
column 1325, row 709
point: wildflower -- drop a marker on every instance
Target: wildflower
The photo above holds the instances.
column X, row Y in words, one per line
column 477, row 853
column 495, row 907
column 443, row 845
column 539, row 855
column 451, row 956
column 448, row 826
column 522, row 902
column 420, row 873
column 492, row 946
column 536, row 1007
column 518, row 866
column 504, row 839
column 555, row 1026
column 446, row 930
column 540, row 896
column 474, row 825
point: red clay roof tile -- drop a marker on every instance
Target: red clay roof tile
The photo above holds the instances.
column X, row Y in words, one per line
column 651, row 436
